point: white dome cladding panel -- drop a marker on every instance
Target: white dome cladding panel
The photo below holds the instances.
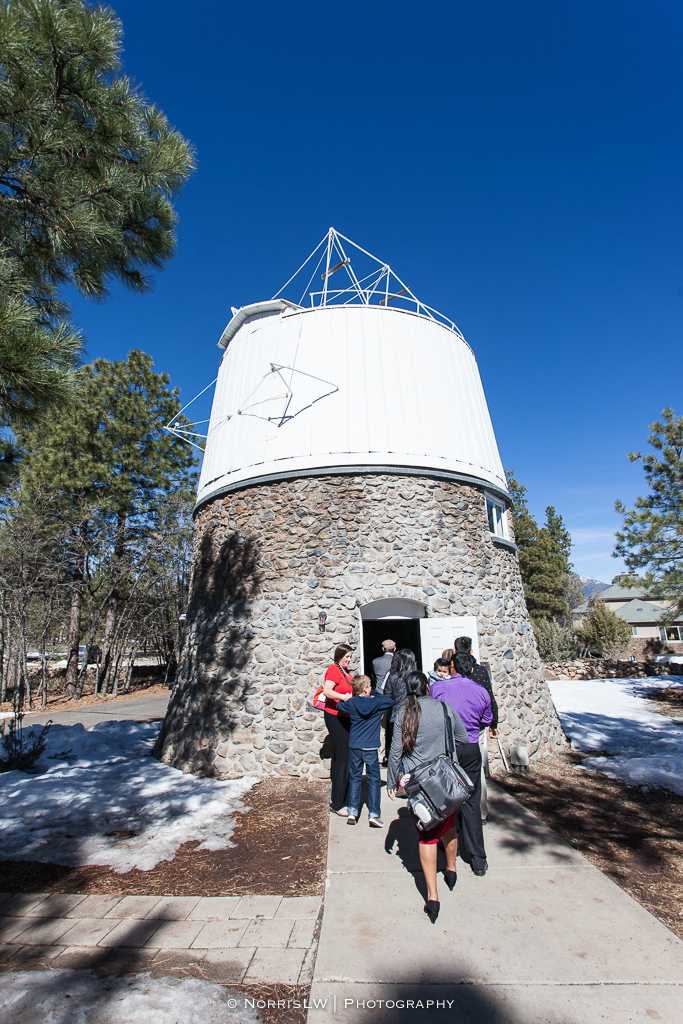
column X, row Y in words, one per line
column 347, row 386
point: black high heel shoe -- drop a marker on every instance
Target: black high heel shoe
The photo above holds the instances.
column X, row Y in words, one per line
column 451, row 877
column 432, row 908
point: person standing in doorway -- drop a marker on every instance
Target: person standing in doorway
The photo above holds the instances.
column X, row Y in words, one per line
column 337, row 687
column 473, row 704
column 382, row 665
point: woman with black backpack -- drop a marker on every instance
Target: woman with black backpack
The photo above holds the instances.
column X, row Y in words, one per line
column 419, row 737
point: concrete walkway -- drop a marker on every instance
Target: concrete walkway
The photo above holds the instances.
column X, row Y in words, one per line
column 227, row 939
column 139, row 709
column 543, row 938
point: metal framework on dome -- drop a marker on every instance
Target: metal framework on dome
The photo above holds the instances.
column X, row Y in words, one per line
column 375, row 283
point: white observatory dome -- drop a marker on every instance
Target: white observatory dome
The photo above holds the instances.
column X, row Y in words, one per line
column 367, row 379
column 351, row 491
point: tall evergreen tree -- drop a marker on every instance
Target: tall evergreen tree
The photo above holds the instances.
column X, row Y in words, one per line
column 651, row 538
column 525, row 525
column 144, row 463
column 112, row 467
column 543, row 555
column 560, row 536
column 88, row 173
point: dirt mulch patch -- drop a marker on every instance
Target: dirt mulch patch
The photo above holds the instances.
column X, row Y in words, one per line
column 285, row 1004
column 634, row 836
column 280, row 849
column 669, row 702
column 58, row 702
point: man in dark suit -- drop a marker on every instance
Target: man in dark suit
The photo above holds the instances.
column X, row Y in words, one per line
column 381, row 665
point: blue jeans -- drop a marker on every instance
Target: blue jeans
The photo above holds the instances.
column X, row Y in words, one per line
column 357, row 758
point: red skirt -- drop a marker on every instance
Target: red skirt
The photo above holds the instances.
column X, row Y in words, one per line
column 433, row 835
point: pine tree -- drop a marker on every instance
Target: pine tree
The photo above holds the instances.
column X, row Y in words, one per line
column 63, row 468
column 652, row 534
column 554, row 524
column 143, row 462
column 88, row 173
column 526, row 527
column 543, row 555
column 111, row 466
column 543, row 575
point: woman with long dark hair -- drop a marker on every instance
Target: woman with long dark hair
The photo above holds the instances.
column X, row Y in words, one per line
column 402, row 665
column 337, row 687
column 419, row 736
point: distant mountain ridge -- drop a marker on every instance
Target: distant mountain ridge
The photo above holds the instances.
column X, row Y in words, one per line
column 592, row 587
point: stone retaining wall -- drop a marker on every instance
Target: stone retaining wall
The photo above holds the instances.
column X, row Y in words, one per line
column 593, row 668
column 269, row 557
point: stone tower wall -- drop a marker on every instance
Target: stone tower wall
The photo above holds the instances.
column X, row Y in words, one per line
column 269, row 557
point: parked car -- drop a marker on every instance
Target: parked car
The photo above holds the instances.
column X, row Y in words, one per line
column 92, row 654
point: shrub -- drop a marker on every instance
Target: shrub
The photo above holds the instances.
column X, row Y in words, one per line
column 19, row 752
column 603, row 632
column 555, row 642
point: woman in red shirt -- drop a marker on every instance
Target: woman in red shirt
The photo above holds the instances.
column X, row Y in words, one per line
column 337, row 687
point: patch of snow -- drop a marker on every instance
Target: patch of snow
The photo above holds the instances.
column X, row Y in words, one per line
column 82, row 997
column 96, row 782
column 608, row 715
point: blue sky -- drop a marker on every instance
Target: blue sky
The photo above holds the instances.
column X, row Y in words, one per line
column 519, row 165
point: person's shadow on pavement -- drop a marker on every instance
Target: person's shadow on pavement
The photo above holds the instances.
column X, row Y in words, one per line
column 402, row 835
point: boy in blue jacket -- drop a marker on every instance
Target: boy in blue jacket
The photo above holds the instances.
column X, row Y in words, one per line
column 365, row 709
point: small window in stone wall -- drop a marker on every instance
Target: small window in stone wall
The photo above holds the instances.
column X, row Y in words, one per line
column 634, row 631
column 495, row 511
column 671, row 632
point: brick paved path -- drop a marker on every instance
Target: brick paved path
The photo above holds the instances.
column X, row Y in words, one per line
column 231, row 939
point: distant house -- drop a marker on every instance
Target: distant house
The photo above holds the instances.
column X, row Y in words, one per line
column 643, row 613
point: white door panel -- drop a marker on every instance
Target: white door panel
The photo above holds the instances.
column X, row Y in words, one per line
column 436, row 635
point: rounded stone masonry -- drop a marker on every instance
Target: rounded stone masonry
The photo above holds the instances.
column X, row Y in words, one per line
column 268, row 558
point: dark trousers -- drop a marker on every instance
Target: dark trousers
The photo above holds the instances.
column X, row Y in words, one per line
column 338, row 726
column 388, row 736
column 470, row 832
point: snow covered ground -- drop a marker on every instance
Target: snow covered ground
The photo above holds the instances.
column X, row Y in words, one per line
column 643, row 748
column 81, row 997
column 96, row 782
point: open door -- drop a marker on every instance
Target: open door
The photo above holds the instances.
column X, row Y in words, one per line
column 404, row 633
column 436, row 635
